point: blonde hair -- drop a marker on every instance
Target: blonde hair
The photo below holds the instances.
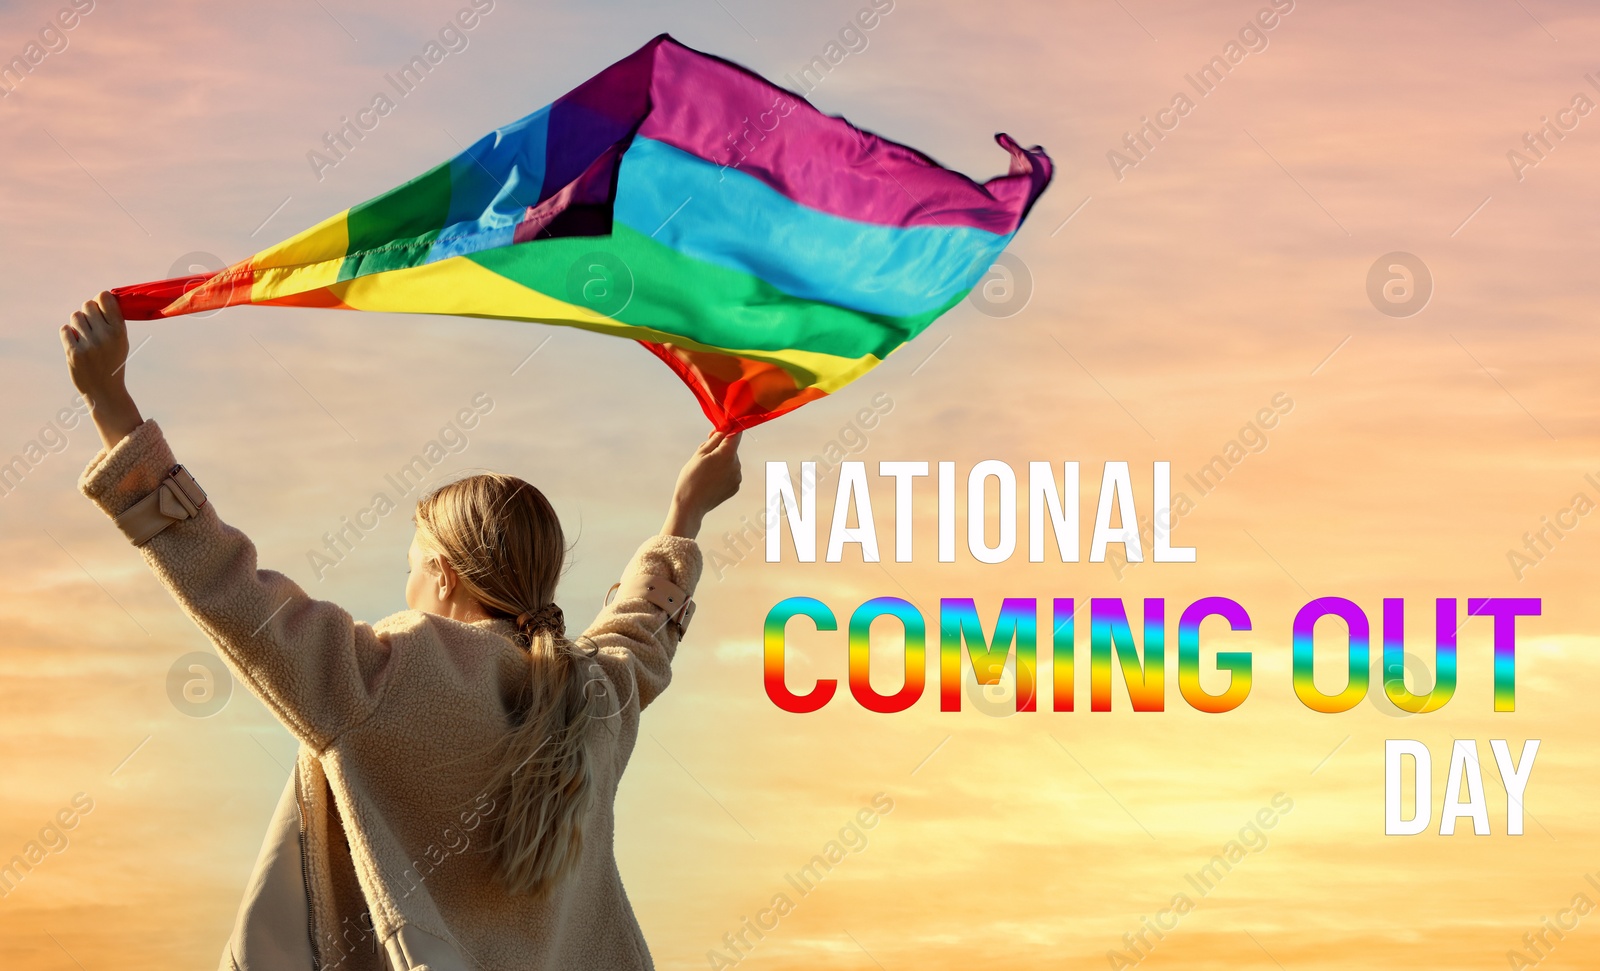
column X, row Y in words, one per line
column 504, row 541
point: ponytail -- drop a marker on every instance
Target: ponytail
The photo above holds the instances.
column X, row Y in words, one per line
column 544, row 777
column 503, row 539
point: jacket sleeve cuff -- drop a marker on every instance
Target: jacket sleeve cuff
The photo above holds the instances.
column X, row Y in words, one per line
column 677, row 558
column 120, row 476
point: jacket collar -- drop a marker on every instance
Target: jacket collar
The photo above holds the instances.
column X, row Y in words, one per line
column 504, row 626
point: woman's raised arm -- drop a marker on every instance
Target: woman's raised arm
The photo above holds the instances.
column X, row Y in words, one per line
column 319, row 670
column 637, row 634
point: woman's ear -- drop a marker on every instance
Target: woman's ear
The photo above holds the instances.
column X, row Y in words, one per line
column 444, row 576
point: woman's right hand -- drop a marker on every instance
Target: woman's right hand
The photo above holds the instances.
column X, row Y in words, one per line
column 709, row 478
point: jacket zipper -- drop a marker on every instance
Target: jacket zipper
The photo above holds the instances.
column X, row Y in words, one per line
column 305, row 878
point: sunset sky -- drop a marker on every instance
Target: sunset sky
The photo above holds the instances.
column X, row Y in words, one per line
column 1166, row 307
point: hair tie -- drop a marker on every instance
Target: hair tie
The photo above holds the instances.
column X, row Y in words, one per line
column 547, row 617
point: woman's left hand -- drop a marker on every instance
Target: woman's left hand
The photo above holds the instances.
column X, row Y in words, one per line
column 96, row 343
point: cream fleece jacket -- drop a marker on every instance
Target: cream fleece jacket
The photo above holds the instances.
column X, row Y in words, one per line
column 393, row 720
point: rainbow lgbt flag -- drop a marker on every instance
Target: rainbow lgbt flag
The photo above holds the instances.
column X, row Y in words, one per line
column 768, row 253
